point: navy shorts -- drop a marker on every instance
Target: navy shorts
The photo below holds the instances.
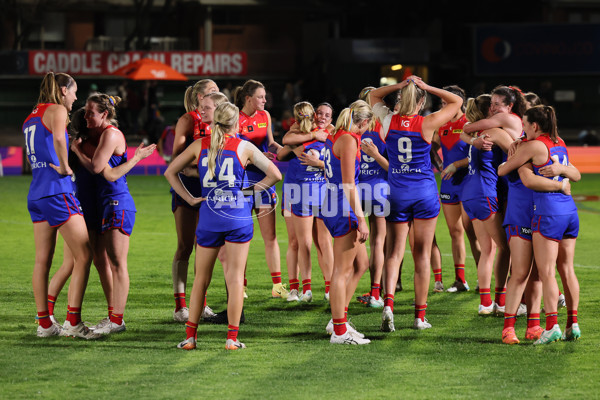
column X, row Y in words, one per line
column 524, row 232
column 410, row 209
column 304, row 199
column 122, row 220
column 481, row 208
column 267, row 197
column 556, row 227
column 210, row 239
column 450, row 193
column 340, row 225
column 374, row 198
column 177, row 201
column 56, row 209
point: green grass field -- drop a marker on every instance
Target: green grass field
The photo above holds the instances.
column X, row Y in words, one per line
column 289, row 355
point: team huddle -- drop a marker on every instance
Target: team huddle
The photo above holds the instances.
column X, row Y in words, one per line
column 505, row 183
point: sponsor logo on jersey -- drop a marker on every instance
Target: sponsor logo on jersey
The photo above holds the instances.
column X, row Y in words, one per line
column 525, row 231
column 114, row 202
column 262, row 125
column 35, row 164
column 406, row 169
column 445, row 196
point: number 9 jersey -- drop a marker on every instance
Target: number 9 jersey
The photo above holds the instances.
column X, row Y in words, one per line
column 410, row 174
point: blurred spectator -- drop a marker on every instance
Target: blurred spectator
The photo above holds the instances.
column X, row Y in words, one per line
column 227, row 90
column 287, row 120
column 165, row 143
column 588, row 138
column 153, row 120
column 133, row 108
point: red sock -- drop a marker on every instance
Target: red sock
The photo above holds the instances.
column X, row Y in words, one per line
column 551, row 320
column 276, row 277
column 245, row 281
column 339, row 326
column 43, row 319
column 306, row 285
column 509, row 320
column 116, row 318
column 191, row 330
column 500, row 296
column 571, row 318
column 327, row 284
column 533, row 320
column 294, row 284
column 110, row 310
column 459, row 272
column 420, row 311
column 388, row 301
column 485, row 297
column 73, row 315
column 346, row 313
column 437, row 275
column 559, row 292
column 179, row 301
column 204, row 301
column 51, row 301
column 376, row 290
column 232, row 332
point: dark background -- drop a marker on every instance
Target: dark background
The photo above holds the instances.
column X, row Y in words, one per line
column 325, row 50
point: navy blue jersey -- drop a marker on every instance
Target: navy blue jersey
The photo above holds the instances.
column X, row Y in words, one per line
column 370, row 170
column 39, row 143
column 553, row 203
column 482, row 177
column 410, row 173
column 225, row 208
column 115, row 195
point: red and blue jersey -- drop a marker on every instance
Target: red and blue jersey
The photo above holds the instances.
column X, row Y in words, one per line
column 410, row 174
column 201, row 129
column 336, row 212
column 115, row 194
column 255, row 129
column 333, row 167
column 39, row 143
column 199, row 126
column 370, row 170
column 225, row 207
column 482, row 176
column 299, row 173
column 454, row 149
column 553, row 203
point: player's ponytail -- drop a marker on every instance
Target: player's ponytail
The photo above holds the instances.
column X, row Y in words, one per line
column 545, row 117
column 50, row 88
column 409, row 98
column 358, row 112
column 225, row 120
column 304, row 113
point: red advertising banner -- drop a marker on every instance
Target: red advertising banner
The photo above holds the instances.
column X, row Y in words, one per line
column 79, row 63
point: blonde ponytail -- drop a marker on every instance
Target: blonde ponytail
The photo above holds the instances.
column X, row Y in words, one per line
column 358, row 112
column 224, row 122
column 304, row 113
